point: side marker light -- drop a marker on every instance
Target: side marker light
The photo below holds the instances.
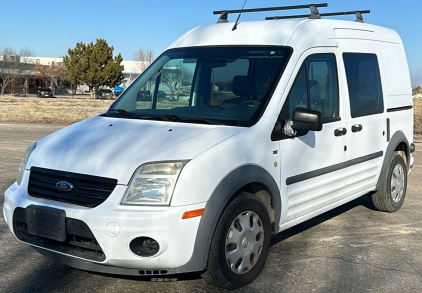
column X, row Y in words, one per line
column 192, row 214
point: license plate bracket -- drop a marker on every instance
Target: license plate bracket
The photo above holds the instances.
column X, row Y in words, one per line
column 46, row 222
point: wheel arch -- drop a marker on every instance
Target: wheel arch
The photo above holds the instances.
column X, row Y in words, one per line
column 398, row 142
column 246, row 178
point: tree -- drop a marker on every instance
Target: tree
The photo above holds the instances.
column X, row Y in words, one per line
column 174, row 76
column 143, row 59
column 416, row 90
column 171, row 78
column 94, row 65
column 56, row 74
column 12, row 65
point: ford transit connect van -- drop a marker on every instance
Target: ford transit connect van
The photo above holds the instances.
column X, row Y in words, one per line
column 264, row 125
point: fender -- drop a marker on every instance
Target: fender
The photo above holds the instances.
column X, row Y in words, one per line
column 221, row 195
column 397, row 138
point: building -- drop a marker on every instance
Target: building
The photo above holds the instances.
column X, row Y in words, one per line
column 28, row 80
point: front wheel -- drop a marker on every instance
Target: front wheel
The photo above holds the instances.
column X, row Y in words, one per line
column 390, row 197
column 240, row 244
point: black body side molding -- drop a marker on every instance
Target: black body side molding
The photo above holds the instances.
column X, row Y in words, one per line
column 329, row 169
column 399, row 109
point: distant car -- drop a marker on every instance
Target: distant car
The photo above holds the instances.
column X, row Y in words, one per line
column 118, row 90
column 45, row 93
column 104, row 94
column 144, row 96
column 161, row 94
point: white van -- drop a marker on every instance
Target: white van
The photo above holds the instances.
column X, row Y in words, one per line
column 263, row 125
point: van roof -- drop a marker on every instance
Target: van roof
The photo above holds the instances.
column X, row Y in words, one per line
column 298, row 34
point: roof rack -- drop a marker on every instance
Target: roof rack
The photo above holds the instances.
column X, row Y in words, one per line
column 314, row 12
column 313, row 7
column 358, row 13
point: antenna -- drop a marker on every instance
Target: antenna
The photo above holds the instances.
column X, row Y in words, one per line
column 237, row 20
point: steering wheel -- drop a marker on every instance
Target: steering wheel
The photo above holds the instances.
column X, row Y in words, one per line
column 251, row 103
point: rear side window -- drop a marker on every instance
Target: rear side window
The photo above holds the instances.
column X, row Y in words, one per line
column 364, row 83
column 315, row 87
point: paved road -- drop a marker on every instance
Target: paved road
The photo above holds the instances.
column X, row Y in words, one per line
column 350, row 249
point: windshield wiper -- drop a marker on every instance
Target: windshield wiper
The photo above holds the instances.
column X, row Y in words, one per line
column 140, row 116
column 165, row 117
column 125, row 113
column 178, row 118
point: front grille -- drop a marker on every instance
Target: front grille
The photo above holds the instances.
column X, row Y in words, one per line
column 89, row 191
column 79, row 240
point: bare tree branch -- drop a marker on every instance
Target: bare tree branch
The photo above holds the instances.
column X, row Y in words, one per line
column 8, row 67
column 13, row 65
column 143, row 59
column 56, row 74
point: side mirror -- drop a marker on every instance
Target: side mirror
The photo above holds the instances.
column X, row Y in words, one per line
column 306, row 119
column 302, row 121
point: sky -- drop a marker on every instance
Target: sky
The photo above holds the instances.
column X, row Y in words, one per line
column 50, row 27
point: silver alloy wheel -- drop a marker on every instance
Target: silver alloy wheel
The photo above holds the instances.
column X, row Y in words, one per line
column 244, row 242
column 397, row 183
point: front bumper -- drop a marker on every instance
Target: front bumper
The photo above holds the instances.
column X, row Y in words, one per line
column 113, row 227
column 100, row 268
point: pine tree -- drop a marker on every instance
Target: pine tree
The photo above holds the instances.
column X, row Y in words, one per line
column 94, row 65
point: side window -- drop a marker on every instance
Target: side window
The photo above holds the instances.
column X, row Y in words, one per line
column 315, row 87
column 364, row 83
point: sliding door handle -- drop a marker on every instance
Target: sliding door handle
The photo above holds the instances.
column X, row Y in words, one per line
column 340, row 131
column 356, row 127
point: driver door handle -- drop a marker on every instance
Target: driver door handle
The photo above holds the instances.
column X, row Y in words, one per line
column 356, row 127
column 340, row 131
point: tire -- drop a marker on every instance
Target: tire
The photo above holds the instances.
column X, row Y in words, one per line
column 390, row 197
column 240, row 244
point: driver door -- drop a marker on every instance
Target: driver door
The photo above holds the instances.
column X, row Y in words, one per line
column 313, row 163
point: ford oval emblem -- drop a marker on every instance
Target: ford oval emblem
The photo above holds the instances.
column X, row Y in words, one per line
column 64, row 186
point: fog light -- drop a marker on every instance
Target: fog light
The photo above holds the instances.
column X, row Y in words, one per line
column 144, row 246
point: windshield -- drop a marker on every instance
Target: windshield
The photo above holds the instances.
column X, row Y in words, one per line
column 211, row 85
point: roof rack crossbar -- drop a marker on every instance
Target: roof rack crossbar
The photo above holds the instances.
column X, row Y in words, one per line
column 270, row 8
column 358, row 14
column 313, row 7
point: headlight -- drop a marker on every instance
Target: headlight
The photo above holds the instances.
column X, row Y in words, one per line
column 153, row 183
column 29, row 150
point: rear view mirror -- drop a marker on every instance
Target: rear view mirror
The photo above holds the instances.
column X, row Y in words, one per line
column 215, row 63
column 306, row 119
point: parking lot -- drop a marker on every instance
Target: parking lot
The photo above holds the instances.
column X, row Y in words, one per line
column 353, row 248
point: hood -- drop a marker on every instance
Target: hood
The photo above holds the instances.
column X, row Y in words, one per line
column 115, row 147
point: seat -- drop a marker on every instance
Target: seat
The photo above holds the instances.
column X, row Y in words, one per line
column 243, row 88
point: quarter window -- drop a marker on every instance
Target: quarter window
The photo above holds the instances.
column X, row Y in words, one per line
column 315, row 87
column 364, row 84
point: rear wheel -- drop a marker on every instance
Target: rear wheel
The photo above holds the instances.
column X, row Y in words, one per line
column 390, row 197
column 240, row 244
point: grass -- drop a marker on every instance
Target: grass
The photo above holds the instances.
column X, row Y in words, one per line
column 67, row 111
column 44, row 110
